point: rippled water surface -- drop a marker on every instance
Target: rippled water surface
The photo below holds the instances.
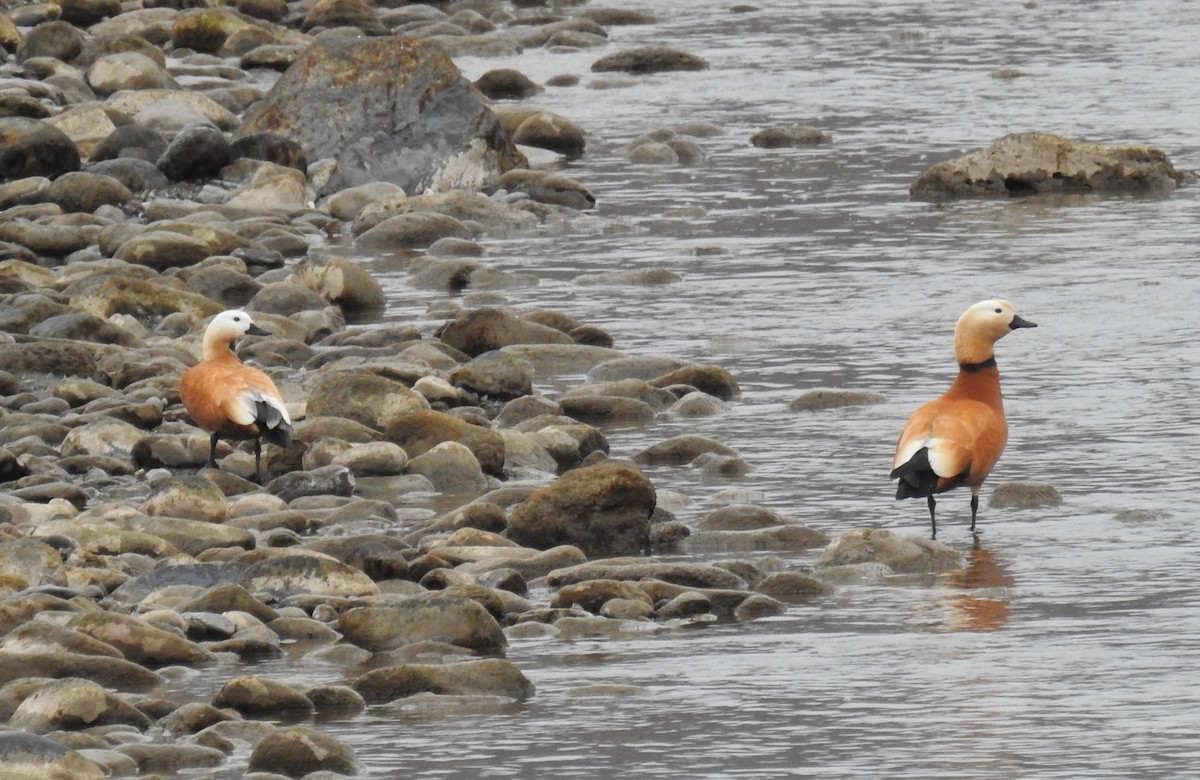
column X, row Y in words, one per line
column 1068, row 647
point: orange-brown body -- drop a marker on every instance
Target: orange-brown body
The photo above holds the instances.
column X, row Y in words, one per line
column 231, row 400
column 958, row 438
column 213, row 391
column 968, row 425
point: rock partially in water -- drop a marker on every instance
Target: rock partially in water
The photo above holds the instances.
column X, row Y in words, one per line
column 163, row 759
column 297, row 751
column 486, row 677
column 139, row 641
column 681, row 449
column 483, row 330
column 24, row 755
column 324, row 481
column 649, row 59
column 506, row 84
column 1024, row 495
column 602, row 509
column 111, row 672
column 256, row 696
column 193, row 717
column 780, row 136
column 73, row 704
column 792, row 587
column 834, row 399
column 901, row 554
column 458, row 621
column 341, row 282
column 688, row 575
column 593, row 594
column 1040, row 163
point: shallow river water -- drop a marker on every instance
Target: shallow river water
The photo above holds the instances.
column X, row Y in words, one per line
column 1068, row 647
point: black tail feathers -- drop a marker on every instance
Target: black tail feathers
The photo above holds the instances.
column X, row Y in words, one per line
column 917, row 478
column 271, row 425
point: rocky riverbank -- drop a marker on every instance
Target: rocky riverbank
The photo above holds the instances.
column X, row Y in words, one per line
column 435, row 509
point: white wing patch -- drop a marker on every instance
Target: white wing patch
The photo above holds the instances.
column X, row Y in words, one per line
column 243, row 412
column 905, row 455
column 940, row 460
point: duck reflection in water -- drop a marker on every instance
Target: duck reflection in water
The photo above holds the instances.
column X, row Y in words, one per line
column 971, row 612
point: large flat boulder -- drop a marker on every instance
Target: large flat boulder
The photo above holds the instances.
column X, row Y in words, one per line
column 387, row 109
column 1037, row 163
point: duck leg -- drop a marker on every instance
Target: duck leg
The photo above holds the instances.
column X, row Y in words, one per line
column 974, row 509
column 257, row 460
column 932, row 520
column 212, row 452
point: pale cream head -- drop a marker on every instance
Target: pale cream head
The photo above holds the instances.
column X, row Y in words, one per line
column 981, row 326
column 226, row 328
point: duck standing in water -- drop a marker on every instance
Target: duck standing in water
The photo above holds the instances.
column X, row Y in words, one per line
column 957, row 439
column 229, row 399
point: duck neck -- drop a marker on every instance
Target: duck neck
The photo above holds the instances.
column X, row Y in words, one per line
column 218, row 349
column 979, row 381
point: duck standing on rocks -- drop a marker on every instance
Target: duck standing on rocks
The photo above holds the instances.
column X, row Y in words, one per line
column 232, row 400
column 958, row 438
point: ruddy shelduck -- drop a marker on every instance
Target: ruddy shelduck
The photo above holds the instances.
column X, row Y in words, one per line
column 229, row 399
column 957, row 439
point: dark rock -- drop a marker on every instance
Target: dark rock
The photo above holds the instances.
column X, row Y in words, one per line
column 506, row 84
column 57, row 39
column 24, row 755
column 60, row 358
column 271, row 147
column 131, row 140
column 197, row 152
column 136, row 174
column 30, row 147
column 390, row 109
column 650, row 59
column 602, row 509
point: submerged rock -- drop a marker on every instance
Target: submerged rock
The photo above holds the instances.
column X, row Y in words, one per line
column 491, row 677
column 296, row 751
column 900, row 554
column 1024, row 495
